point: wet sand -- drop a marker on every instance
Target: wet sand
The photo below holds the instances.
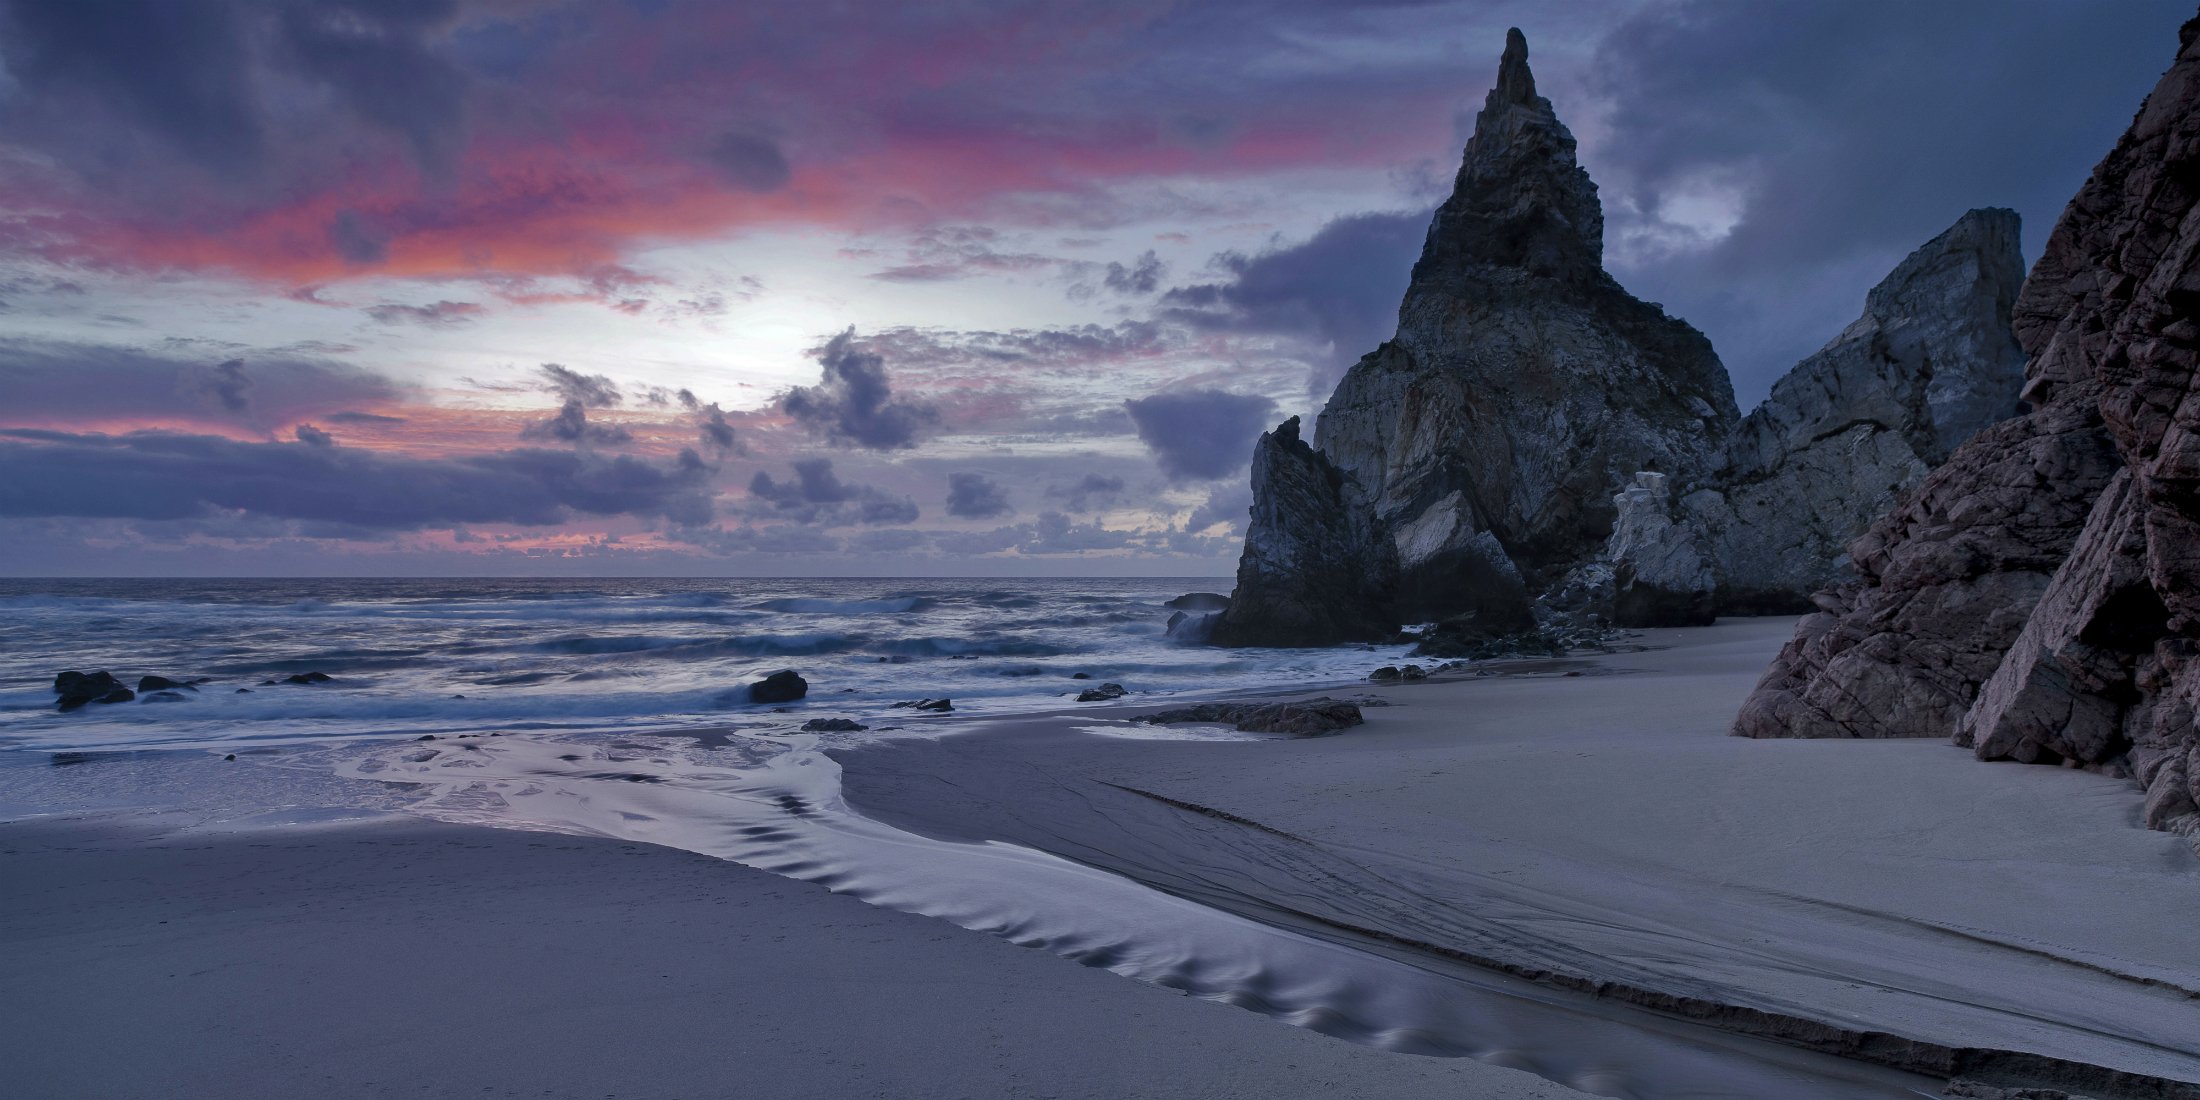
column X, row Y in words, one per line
column 1564, row 867
column 398, row 957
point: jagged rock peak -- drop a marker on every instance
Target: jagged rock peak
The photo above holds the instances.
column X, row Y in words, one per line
column 1514, row 82
column 1520, row 199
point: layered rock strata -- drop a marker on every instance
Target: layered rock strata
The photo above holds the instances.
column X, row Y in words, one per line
column 2041, row 597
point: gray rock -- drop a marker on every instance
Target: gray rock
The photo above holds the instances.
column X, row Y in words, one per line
column 2073, row 584
column 1660, row 576
column 1851, row 428
column 1102, row 694
column 833, row 725
column 1472, row 459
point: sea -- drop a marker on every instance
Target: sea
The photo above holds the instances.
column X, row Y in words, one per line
column 413, row 657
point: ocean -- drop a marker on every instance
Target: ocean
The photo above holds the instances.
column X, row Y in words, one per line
column 412, row 657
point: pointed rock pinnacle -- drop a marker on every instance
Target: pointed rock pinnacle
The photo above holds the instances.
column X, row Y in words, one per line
column 1514, row 82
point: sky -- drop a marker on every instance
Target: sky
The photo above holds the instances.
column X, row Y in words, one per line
column 869, row 287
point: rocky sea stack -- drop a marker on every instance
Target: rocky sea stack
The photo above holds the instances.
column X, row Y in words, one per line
column 2038, row 597
column 1535, row 441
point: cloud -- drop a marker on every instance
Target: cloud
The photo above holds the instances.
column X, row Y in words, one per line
column 1340, row 287
column 715, row 435
column 444, row 314
column 1142, row 276
column 1766, row 166
column 975, row 496
column 1200, row 435
column 571, row 425
column 853, row 402
column 1091, row 493
column 817, row 495
column 170, row 475
column 1230, row 504
column 49, row 382
column 353, row 416
column 593, row 390
column 227, row 384
column 313, row 436
column 749, row 162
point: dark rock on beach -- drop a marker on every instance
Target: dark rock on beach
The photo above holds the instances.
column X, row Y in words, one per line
column 308, row 678
column 1309, row 718
column 833, row 725
column 1102, row 694
column 163, row 683
column 784, row 686
column 76, row 689
column 935, row 705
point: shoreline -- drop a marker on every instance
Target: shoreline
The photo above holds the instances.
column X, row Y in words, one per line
column 1406, row 876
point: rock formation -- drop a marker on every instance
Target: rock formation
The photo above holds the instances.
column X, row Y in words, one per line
column 1472, row 459
column 1931, row 362
column 2039, row 598
column 1536, row 442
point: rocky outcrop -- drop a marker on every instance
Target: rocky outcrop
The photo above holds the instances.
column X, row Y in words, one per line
column 1536, row 444
column 2067, row 578
column 1472, row 460
column 1306, row 577
column 1658, row 572
column 1850, row 429
column 1307, row 718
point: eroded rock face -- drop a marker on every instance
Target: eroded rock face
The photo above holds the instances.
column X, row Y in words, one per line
column 1860, row 422
column 1660, row 576
column 2052, row 608
column 1472, row 460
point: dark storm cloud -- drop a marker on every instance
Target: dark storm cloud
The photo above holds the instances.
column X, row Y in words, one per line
column 1850, row 133
column 47, row 381
column 227, row 384
column 750, row 162
column 593, row 390
column 854, row 403
column 1231, row 504
column 1091, row 492
column 103, row 83
column 817, row 495
column 571, row 425
column 975, row 496
column 167, row 475
column 1142, row 275
column 1340, row 287
column 713, row 432
column 349, row 416
column 313, row 436
column 1200, row 435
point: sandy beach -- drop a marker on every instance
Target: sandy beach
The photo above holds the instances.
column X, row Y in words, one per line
column 1564, row 867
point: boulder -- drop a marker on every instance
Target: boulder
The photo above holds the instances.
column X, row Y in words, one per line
column 308, row 678
column 163, row 683
column 783, row 686
column 833, row 725
column 1660, row 576
column 1102, row 694
column 76, row 689
column 936, row 705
